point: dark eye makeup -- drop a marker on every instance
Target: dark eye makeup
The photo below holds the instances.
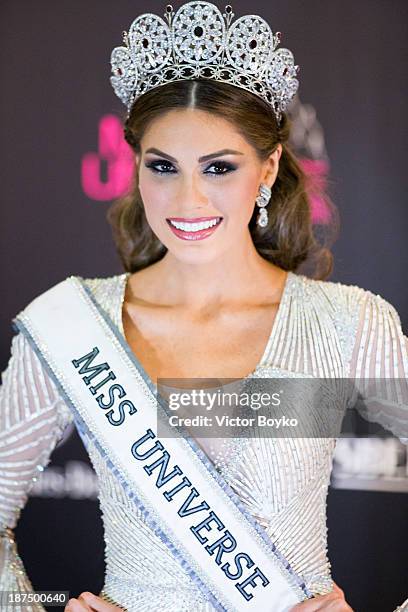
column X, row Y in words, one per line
column 163, row 166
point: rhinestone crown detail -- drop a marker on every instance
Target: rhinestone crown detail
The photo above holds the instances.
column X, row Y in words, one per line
column 198, row 41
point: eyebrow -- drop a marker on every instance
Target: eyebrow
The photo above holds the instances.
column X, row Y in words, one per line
column 200, row 159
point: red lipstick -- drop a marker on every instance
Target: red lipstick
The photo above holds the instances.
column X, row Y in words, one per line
column 199, row 234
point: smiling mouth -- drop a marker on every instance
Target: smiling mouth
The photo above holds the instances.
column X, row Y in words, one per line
column 194, row 225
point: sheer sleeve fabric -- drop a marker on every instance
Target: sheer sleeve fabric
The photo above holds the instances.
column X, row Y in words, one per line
column 379, row 365
column 33, row 417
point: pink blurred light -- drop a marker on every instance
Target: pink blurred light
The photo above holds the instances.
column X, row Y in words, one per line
column 317, row 171
column 118, row 156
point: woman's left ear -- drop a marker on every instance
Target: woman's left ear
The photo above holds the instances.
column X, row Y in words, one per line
column 272, row 166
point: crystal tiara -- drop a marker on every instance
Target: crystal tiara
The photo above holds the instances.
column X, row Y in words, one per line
column 198, row 41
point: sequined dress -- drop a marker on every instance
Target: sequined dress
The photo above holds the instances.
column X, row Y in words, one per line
column 321, row 329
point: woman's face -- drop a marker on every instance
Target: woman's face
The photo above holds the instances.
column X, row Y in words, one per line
column 194, row 167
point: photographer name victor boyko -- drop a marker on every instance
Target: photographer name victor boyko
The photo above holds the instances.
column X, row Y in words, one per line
column 226, row 421
column 238, row 404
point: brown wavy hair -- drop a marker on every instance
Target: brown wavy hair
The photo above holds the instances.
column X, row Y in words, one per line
column 288, row 240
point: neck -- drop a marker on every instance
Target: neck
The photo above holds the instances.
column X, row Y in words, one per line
column 237, row 275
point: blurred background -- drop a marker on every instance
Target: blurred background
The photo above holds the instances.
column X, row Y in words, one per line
column 63, row 160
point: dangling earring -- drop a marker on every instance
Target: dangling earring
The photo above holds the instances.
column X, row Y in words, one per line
column 262, row 200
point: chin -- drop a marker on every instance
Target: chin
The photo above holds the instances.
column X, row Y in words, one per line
column 193, row 255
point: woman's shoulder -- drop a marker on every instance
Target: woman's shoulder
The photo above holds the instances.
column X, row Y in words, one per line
column 102, row 287
column 359, row 316
column 348, row 307
column 342, row 294
column 109, row 292
column 106, row 290
column 105, row 287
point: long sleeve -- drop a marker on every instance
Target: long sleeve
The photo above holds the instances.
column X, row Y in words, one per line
column 379, row 368
column 33, row 417
column 379, row 365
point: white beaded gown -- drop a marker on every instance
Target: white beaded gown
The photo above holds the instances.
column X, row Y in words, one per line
column 321, row 329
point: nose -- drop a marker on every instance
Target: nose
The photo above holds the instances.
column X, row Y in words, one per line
column 192, row 194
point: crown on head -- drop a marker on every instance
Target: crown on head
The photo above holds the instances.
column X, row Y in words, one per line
column 198, row 41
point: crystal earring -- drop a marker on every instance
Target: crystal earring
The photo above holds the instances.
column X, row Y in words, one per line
column 262, row 200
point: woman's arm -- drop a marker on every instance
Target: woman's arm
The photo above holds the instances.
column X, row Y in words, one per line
column 379, row 366
column 32, row 419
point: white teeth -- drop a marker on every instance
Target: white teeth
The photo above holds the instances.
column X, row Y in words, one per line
column 194, row 227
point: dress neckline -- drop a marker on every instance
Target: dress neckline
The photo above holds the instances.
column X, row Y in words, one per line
column 276, row 324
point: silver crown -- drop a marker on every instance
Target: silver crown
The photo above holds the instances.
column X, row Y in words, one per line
column 198, row 41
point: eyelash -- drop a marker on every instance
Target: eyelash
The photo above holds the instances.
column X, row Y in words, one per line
column 153, row 167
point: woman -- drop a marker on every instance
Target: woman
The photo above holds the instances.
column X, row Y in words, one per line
column 212, row 153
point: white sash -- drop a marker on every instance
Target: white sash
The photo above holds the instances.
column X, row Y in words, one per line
column 184, row 500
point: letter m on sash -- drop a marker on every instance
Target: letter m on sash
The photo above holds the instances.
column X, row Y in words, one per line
column 86, row 360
